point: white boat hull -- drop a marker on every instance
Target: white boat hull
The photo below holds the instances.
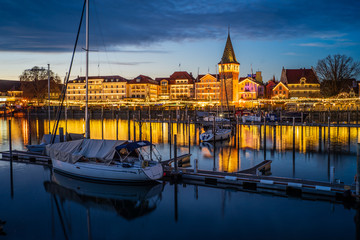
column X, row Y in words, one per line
column 113, row 173
column 220, row 135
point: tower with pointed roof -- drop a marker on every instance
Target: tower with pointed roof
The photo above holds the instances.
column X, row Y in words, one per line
column 229, row 69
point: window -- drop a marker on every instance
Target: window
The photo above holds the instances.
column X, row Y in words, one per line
column 280, row 87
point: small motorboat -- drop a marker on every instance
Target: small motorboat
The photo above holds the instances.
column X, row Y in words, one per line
column 251, row 118
column 107, row 160
column 220, row 134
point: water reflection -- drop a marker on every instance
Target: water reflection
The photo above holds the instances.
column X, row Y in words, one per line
column 308, row 150
column 128, row 201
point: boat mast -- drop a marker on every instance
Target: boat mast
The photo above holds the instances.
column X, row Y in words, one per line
column 87, row 125
column 48, row 72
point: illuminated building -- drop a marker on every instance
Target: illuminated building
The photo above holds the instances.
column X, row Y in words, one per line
column 164, row 88
column 207, row 87
column 249, row 88
column 101, row 88
column 143, row 87
column 269, row 87
column 280, row 91
column 181, row 86
column 301, row 82
column 229, row 69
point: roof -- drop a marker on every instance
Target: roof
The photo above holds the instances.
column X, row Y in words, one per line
column 115, row 78
column 229, row 54
column 293, row 76
column 141, row 79
column 251, row 79
column 200, row 76
column 9, row 85
column 160, row 79
column 281, row 84
column 181, row 75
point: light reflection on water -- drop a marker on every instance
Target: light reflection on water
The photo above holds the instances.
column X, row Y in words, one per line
column 312, row 158
column 46, row 207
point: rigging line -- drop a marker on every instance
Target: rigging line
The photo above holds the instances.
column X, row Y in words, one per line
column 63, row 93
column 102, row 37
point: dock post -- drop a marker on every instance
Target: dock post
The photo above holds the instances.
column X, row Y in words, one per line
column 140, row 126
column 329, row 133
column 332, row 174
column 264, row 138
column 102, row 122
column 338, row 116
column 128, row 115
column 302, row 117
column 29, row 124
column 151, row 148
column 61, row 134
column 10, row 142
column 189, row 132
column 175, row 155
column 294, row 137
column 358, row 170
column 320, row 134
column 214, row 130
column 195, row 165
column 117, row 126
column 357, row 114
column 134, row 124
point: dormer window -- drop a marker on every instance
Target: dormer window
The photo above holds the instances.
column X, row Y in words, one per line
column 138, row 80
column 302, row 80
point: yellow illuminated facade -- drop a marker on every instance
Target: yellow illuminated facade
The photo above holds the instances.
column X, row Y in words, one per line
column 109, row 88
column 207, row 88
column 143, row 87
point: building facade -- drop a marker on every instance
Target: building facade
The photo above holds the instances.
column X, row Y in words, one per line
column 280, row 91
column 143, row 87
column 302, row 83
column 101, row 88
column 181, row 85
column 207, row 88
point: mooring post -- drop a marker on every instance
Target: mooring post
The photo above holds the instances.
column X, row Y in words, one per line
column 214, row 131
column 134, row 127
column 332, row 174
column 61, row 134
column 189, row 136
column 357, row 114
column 29, row 124
column 294, row 137
column 140, row 126
column 329, row 132
column 128, row 116
column 175, row 155
column 358, row 170
column 10, row 142
column 117, row 126
column 151, row 147
column 264, row 138
column 195, row 165
column 102, row 122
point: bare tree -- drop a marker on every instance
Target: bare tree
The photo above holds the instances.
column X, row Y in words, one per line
column 333, row 70
column 34, row 83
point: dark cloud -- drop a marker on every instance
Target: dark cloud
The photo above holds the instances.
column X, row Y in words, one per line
column 38, row 25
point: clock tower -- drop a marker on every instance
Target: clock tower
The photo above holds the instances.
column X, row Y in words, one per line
column 229, row 69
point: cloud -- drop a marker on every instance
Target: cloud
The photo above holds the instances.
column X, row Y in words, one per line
column 46, row 26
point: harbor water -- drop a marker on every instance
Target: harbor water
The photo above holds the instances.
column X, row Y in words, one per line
column 39, row 204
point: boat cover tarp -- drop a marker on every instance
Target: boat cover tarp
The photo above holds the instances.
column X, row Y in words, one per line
column 133, row 145
column 71, row 152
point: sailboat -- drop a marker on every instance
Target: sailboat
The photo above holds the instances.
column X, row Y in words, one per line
column 104, row 160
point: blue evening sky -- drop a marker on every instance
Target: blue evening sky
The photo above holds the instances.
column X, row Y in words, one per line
column 158, row 37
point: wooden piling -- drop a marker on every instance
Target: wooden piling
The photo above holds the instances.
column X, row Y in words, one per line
column 61, row 134
column 140, row 126
column 102, row 122
column 175, row 154
column 10, row 141
column 189, row 136
column 134, row 127
column 264, row 138
column 128, row 115
column 329, row 133
column 29, row 124
column 294, row 137
column 117, row 126
column 358, row 171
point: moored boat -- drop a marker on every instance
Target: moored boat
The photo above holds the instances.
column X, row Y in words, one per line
column 220, row 134
column 107, row 160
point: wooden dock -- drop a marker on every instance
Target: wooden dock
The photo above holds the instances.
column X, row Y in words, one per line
column 27, row 157
column 262, row 183
column 262, row 167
